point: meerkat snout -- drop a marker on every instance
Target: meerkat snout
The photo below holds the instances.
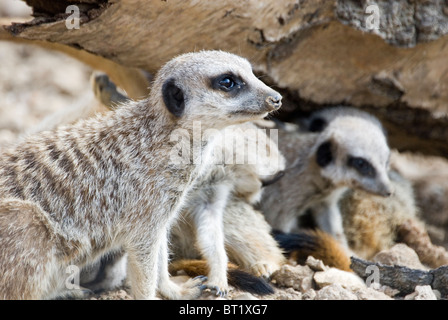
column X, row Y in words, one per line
column 384, row 188
column 274, row 102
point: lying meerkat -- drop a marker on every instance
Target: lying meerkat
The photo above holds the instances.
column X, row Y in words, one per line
column 219, row 221
column 371, row 223
column 69, row 196
column 350, row 152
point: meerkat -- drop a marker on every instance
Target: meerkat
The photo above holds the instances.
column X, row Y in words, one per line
column 371, row 223
column 69, row 196
column 349, row 152
column 219, row 221
column 349, row 201
column 260, row 256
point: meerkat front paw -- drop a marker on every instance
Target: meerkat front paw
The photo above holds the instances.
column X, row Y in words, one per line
column 219, row 291
column 264, row 269
column 191, row 289
column 219, row 287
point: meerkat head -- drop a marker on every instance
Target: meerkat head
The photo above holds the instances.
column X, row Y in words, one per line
column 319, row 120
column 352, row 151
column 214, row 87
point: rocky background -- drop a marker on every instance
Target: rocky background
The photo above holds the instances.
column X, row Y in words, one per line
column 399, row 67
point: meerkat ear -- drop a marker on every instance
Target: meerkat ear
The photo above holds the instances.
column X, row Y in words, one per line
column 324, row 155
column 173, row 97
column 317, row 125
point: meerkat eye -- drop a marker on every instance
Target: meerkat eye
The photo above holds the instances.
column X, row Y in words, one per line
column 227, row 82
column 362, row 166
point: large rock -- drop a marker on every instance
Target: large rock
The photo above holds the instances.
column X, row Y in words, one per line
column 401, row 255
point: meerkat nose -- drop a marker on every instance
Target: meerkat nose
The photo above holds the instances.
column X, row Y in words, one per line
column 275, row 102
column 387, row 191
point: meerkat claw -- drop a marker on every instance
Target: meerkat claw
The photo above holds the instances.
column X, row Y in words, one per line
column 218, row 291
column 203, row 278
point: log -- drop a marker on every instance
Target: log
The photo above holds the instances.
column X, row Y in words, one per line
column 402, row 278
column 317, row 52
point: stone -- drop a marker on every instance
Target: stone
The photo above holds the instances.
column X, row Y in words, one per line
column 345, row 279
column 287, row 294
column 335, row 292
column 391, row 292
column 400, row 254
column 298, row 277
column 315, row 264
column 309, row 295
column 244, row 296
column 422, row 293
column 371, row 294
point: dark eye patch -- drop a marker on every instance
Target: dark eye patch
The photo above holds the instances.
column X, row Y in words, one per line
column 362, row 166
column 173, row 97
column 228, row 83
column 317, row 125
column 324, row 154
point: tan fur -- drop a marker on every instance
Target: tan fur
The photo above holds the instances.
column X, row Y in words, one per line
column 193, row 268
column 371, row 223
column 109, row 182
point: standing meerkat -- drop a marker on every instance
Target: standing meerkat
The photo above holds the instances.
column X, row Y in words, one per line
column 349, row 152
column 218, row 222
column 71, row 195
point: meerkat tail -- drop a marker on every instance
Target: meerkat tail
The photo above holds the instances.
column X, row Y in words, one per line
column 316, row 243
column 237, row 278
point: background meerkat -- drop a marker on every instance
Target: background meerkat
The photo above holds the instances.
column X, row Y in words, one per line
column 373, row 224
column 370, row 223
column 350, row 152
column 108, row 182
